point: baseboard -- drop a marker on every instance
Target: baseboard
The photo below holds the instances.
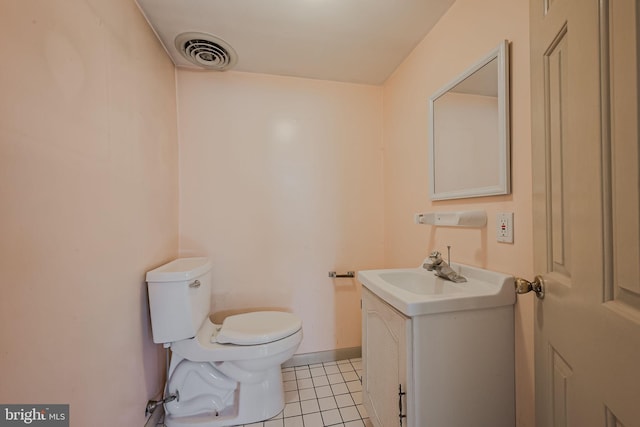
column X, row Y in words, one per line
column 323, row 356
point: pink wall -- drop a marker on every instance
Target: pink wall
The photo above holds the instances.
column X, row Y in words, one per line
column 89, row 202
column 473, row 144
column 281, row 182
column 468, row 31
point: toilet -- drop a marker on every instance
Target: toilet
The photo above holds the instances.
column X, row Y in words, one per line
column 219, row 375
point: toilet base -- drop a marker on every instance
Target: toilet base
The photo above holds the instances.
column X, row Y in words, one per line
column 253, row 403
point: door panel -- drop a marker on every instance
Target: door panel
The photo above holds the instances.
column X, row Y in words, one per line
column 622, row 59
column 584, row 70
column 612, row 421
column 561, row 382
column 556, row 82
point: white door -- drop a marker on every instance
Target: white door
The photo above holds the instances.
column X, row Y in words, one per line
column 584, row 70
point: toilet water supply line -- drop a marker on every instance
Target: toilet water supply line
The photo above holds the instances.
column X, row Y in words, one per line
column 153, row 404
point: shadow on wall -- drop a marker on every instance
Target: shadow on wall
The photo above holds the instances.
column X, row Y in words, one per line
column 153, row 355
column 468, row 246
column 348, row 318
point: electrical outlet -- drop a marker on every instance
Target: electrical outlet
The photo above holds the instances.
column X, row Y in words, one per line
column 504, row 227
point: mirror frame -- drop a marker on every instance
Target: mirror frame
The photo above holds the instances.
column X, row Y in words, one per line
column 503, row 186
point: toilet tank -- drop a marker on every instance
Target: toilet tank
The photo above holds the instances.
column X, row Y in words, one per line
column 179, row 298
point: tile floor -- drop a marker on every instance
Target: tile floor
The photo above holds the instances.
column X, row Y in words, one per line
column 324, row 394
column 320, row 395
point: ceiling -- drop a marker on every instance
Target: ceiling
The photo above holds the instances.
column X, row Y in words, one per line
column 356, row 41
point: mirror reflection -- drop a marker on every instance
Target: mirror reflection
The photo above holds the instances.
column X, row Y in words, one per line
column 469, row 132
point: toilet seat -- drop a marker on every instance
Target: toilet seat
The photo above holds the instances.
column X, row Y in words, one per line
column 257, row 328
column 201, row 349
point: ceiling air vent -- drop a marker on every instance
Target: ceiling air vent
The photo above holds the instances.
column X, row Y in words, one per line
column 206, row 51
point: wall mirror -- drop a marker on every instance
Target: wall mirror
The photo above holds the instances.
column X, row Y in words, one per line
column 469, row 137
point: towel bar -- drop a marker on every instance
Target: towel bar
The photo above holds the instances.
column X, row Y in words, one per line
column 338, row 276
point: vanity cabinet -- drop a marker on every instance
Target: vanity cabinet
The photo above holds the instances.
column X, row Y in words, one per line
column 446, row 369
column 386, row 341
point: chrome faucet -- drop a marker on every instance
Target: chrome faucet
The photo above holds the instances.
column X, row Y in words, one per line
column 441, row 268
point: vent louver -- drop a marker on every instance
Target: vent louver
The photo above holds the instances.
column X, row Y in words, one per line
column 206, row 51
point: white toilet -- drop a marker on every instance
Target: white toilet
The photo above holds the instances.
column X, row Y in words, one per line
column 220, row 375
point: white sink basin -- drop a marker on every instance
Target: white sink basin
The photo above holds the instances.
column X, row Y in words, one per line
column 416, row 291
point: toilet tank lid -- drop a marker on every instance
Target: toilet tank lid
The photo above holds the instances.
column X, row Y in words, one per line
column 179, row 270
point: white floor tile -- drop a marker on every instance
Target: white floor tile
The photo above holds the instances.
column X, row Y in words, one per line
column 340, row 388
column 344, row 400
column 318, row 372
column 324, row 391
column 346, row 368
column 331, row 417
column 292, row 396
column 335, row 378
column 320, row 381
column 332, row 369
column 307, row 393
column 293, row 422
column 305, row 373
column 362, row 411
column 349, row 413
column 305, row 383
column 322, row 395
column 350, row 376
column 354, row 386
column 327, row 403
column 292, row 409
column 309, row 406
column 313, row 420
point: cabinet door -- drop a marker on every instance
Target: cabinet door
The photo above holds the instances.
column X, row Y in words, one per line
column 384, row 356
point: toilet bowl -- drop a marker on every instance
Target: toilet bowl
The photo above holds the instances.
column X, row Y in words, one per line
column 220, row 374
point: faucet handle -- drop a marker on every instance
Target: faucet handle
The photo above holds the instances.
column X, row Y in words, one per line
column 434, row 259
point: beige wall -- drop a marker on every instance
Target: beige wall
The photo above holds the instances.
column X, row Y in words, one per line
column 281, row 182
column 88, row 203
column 468, row 31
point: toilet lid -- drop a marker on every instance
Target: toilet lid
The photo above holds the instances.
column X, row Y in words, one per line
column 257, row 328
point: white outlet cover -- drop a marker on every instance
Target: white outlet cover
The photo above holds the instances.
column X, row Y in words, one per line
column 504, row 227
